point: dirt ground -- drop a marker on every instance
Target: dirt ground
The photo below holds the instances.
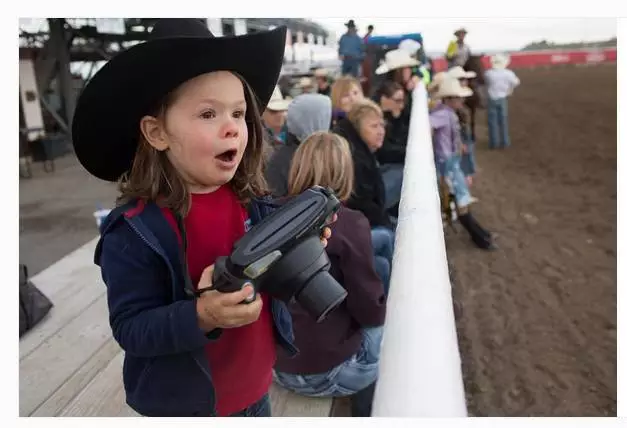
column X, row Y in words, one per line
column 537, row 319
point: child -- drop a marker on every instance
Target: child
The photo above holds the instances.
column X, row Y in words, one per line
column 447, row 144
column 501, row 83
column 339, row 356
column 184, row 139
column 345, row 92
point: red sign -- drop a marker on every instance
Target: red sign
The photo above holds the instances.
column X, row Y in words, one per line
column 546, row 58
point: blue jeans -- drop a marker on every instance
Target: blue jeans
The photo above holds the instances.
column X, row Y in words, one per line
column 454, row 177
column 259, row 409
column 383, row 249
column 498, row 123
column 468, row 159
column 392, row 174
column 351, row 376
column 351, row 67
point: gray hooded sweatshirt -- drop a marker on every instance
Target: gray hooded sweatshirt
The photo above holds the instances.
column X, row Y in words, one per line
column 307, row 114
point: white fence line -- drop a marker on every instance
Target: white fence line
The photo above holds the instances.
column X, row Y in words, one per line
column 420, row 367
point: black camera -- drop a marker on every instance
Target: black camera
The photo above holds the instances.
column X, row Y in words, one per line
column 283, row 256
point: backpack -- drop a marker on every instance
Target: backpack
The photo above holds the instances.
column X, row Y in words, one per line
column 34, row 305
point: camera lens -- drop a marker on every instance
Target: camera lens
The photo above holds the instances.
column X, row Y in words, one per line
column 321, row 295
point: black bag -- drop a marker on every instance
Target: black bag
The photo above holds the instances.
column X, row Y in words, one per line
column 34, row 305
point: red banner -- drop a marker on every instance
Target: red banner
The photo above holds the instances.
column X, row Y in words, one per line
column 546, row 58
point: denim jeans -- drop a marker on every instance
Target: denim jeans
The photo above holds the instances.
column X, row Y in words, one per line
column 259, row 409
column 383, row 249
column 392, row 174
column 353, row 375
column 454, row 177
column 498, row 129
column 351, row 67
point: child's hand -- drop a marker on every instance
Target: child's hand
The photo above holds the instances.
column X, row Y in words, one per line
column 326, row 232
column 224, row 310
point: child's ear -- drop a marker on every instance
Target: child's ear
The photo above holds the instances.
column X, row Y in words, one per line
column 152, row 130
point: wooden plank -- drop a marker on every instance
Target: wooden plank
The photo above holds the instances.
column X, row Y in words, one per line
column 56, row 360
column 104, row 396
column 54, row 278
column 58, row 401
column 84, row 287
column 287, row 404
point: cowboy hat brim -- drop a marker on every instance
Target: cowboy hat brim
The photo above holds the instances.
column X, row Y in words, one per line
column 462, row 93
column 105, row 127
column 385, row 68
column 278, row 105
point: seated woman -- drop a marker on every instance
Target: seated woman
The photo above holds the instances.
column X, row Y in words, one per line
column 398, row 67
column 391, row 155
column 344, row 93
column 364, row 130
column 339, row 356
column 447, row 143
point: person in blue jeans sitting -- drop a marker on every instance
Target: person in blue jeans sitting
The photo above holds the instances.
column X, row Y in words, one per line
column 501, row 83
column 339, row 356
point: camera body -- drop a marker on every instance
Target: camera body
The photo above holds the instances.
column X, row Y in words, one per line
column 283, row 256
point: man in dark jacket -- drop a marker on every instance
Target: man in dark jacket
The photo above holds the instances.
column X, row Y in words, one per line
column 308, row 113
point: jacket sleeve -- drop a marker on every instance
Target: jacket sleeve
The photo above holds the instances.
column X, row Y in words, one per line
column 363, row 195
column 366, row 297
column 342, row 46
column 138, row 292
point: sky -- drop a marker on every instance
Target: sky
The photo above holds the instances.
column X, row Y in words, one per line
column 489, row 34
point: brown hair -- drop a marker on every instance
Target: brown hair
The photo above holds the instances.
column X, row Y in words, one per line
column 340, row 88
column 323, row 159
column 388, row 88
column 361, row 109
column 152, row 176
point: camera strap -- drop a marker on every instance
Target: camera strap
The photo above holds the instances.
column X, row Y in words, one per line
column 189, row 287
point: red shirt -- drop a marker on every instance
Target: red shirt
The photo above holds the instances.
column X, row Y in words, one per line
column 241, row 360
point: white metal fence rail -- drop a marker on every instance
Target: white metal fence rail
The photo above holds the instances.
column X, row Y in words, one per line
column 420, row 368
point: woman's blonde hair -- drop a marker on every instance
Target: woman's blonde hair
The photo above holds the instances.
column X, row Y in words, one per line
column 152, row 176
column 361, row 109
column 340, row 88
column 323, row 159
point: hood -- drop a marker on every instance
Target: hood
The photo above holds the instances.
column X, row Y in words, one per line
column 308, row 113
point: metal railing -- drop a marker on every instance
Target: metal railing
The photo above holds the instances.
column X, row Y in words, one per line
column 420, row 367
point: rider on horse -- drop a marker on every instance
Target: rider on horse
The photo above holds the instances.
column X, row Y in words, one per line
column 458, row 51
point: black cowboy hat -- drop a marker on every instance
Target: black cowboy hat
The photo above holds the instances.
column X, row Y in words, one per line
column 350, row 23
column 105, row 128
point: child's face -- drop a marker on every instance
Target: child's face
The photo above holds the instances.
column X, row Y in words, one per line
column 455, row 103
column 206, row 130
column 354, row 94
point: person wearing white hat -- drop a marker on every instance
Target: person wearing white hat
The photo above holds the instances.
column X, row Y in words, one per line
column 397, row 66
column 458, row 51
column 447, row 143
column 322, row 81
column 412, row 47
column 500, row 82
column 273, row 118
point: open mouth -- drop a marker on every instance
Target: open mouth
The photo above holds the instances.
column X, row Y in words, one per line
column 227, row 156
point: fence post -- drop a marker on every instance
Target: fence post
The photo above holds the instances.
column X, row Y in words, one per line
column 420, row 367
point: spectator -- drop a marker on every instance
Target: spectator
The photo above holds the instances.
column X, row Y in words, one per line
column 307, row 113
column 323, row 81
column 458, row 51
column 339, row 356
column 306, row 85
column 397, row 67
column 351, row 50
column 501, row 83
column 344, row 93
column 369, row 33
column 364, row 129
column 273, row 119
column 447, row 144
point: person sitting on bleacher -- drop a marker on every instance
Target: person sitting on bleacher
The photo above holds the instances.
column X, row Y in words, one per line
column 345, row 92
column 339, row 356
column 397, row 67
column 307, row 113
column 323, row 81
column 364, row 130
column 273, row 119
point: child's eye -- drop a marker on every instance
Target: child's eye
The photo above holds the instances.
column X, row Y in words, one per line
column 239, row 114
column 210, row 114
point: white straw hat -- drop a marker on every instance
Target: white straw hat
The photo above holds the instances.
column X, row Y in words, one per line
column 410, row 46
column 450, row 87
column 437, row 79
column 459, row 73
column 395, row 59
column 277, row 103
column 499, row 61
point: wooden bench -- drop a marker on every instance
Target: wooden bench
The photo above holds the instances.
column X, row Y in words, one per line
column 71, row 366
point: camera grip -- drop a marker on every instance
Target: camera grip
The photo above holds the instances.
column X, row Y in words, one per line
column 224, row 282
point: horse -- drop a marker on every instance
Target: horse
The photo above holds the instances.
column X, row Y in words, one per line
column 478, row 98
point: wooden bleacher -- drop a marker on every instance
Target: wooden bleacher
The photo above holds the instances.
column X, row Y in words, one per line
column 71, row 366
